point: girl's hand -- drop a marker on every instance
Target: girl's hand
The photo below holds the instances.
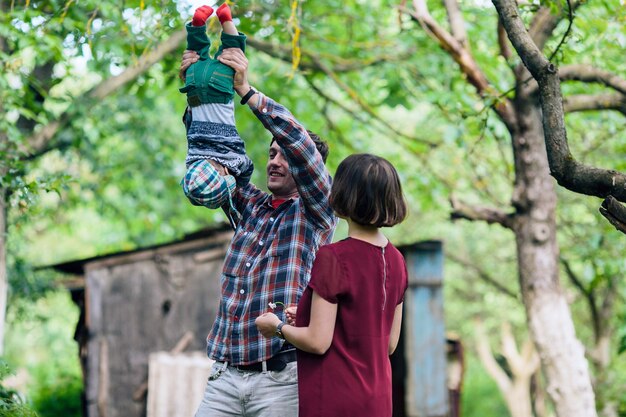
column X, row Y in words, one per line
column 266, row 323
column 290, row 313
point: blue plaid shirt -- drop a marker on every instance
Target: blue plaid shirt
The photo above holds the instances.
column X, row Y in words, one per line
column 271, row 254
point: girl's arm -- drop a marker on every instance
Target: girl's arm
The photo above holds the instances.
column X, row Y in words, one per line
column 395, row 329
column 316, row 337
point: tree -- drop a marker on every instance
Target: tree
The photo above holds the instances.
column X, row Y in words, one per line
column 569, row 172
column 506, row 90
column 515, row 385
column 39, row 28
column 532, row 218
column 350, row 73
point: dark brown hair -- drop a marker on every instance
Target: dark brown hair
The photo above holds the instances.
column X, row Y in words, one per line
column 320, row 144
column 367, row 189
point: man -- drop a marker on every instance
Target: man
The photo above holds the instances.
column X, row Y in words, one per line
column 269, row 259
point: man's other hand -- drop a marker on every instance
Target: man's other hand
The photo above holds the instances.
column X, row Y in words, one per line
column 189, row 57
column 236, row 59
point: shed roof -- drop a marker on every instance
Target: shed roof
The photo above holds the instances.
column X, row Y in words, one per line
column 77, row 267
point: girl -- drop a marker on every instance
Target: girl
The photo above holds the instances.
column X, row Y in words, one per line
column 348, row 320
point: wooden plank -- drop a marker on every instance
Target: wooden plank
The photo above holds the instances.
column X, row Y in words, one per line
column 179, row 348
column 426, row 391
column 176, row 383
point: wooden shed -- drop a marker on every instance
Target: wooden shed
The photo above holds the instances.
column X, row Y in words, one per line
column 140, row 302
column 145, row 315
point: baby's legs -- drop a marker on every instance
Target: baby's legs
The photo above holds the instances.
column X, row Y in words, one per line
column 226, row 19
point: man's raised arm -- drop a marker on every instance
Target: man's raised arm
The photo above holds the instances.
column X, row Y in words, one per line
column 305, row 162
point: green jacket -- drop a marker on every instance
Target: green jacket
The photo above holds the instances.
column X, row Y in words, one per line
column 208, row 80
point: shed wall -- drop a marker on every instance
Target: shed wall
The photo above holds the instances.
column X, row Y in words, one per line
column 142, row 304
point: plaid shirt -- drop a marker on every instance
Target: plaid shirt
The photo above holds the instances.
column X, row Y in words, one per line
column 271, row 254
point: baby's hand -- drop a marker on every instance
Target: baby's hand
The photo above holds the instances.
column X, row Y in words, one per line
column 221, row 169
column 290, row 313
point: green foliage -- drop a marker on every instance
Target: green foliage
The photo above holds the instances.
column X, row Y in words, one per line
column 480, row 395
column 40, row 341
column 26, row 283
column 11, row 403
column 109, row 180
column 58, row 394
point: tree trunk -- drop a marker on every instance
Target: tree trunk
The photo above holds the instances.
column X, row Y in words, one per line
column 548, row 314
column 518, row 398
column 4, row 286
column 514, row 385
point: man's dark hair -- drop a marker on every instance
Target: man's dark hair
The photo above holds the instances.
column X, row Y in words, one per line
column 320, row 144
column 367, row 189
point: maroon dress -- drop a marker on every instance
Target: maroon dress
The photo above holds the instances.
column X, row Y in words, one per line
column 353, row 378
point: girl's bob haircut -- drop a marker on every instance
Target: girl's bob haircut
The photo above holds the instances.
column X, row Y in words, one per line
column 367, row 190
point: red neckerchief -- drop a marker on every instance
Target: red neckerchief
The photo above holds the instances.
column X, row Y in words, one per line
column 277, row 202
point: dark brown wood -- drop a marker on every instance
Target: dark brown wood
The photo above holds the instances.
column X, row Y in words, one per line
column 614, row 212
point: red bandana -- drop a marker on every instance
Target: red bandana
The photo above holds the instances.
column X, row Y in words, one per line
column 277, row 202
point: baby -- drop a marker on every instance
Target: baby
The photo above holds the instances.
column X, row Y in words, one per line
column 210, row 115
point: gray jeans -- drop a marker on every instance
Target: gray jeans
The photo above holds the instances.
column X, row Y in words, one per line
column 231, row 392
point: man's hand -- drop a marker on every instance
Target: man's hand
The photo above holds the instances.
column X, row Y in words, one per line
column 189, row 57
column 266, row 323
column 236, row 59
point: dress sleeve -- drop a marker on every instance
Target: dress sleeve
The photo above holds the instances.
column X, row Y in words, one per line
column 327, row 275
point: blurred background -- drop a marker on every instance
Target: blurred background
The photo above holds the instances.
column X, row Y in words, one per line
column 92, row 152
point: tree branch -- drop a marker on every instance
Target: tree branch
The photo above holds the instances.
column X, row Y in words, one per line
column 544, row 22
column 594, row 102
column 331, row 124
column 483, row 275
column 463, row 58
column 503, row 42
column 309, row 61
column 590, row 74
column 364, row 106
column 614, row 212
column 456, row 22
column 490, row 215
column 40, row 139
column 486, row 357
column 587, row 293
column 522, row 363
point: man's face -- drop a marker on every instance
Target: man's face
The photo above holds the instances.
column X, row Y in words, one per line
column 280, row 182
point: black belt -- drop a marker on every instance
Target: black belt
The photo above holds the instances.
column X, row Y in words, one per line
column 277, row 362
